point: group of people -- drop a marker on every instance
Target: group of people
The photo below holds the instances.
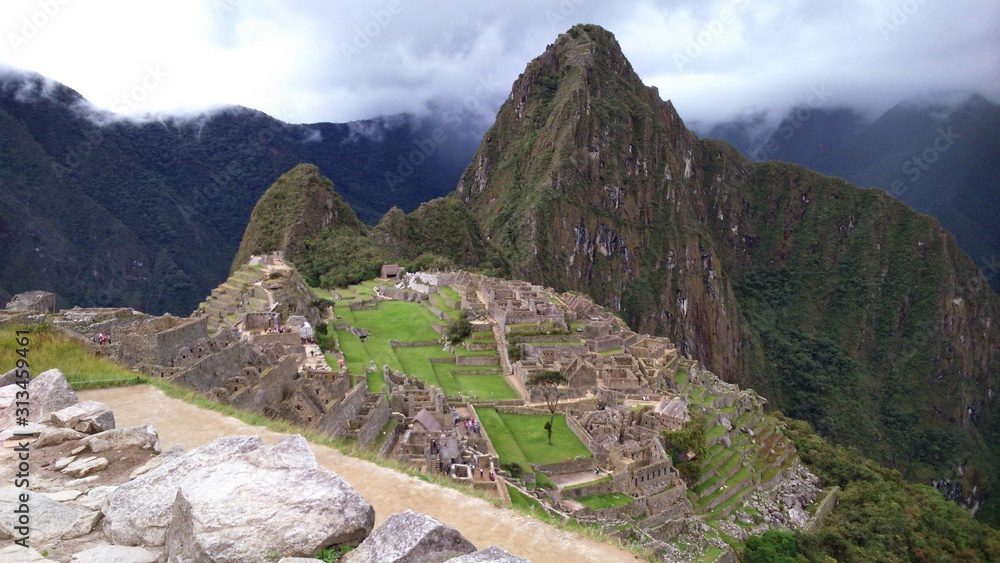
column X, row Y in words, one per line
column 471, row 424
column 102, row 339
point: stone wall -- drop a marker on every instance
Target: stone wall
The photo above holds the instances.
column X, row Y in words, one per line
column 575, row 466
column 213, row 370
column 477, row 360
column 335, row 421
column 377, row 420
column 581, row 432
column 184, row 335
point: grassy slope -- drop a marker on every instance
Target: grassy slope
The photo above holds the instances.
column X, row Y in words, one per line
column 50, row 349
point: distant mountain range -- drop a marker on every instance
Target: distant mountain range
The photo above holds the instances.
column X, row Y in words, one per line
column 149, row 214
column 941, row 156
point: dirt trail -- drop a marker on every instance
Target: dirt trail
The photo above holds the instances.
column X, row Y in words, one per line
column 388, row 491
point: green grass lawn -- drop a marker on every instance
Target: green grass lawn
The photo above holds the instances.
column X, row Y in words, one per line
column 597, row 502
column 48, row 349
column 521, row 438
column 397, row 320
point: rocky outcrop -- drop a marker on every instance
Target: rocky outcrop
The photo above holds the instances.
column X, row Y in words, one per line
column 236, row 499
column 115, row 554
column 411, row 537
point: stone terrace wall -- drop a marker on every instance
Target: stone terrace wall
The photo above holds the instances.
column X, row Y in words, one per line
column 575, row 466
column 184, row 335
column 335, row 421
column 377, row 420
column 213, row 370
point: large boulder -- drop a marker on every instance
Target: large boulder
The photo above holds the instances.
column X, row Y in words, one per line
column 139, row 512
column 88, row 417
column 411, row 537
column 49, row 392
column 49, row 519
column 227, row 513
column 238, row 500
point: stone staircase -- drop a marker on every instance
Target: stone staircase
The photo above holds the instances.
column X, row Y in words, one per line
column 237, row 295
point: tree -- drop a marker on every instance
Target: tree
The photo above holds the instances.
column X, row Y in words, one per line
column 459, row 329
column 548, row 382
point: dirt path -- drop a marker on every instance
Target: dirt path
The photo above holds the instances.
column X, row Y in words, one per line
column 388, row 491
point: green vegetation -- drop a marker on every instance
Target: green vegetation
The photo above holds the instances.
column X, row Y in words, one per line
column 521, row 438
column 879, row 515
column 548, row 382
column 459, row 329
column 49, row 348
column 687, row 448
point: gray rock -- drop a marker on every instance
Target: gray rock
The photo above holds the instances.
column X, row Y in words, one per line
column 411, row 537
column 273, row 499
column 139, row 511
column 157, row 461
column 85, row 466
column 8, row 378
column 724, row 421
column 143, row 437
column 84, row 524
column 115, row 554
column 49, row 520
column 29, row 429
column 17, row 554
column 491, row 554
column 50, row 393
column 55, row 436
column 96, row 498
column 89, row 417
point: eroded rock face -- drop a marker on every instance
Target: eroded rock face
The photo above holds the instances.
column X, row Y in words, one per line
column 411, row 537
column 238, row 500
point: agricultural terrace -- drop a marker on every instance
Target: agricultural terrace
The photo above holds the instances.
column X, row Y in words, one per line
column 408, row 322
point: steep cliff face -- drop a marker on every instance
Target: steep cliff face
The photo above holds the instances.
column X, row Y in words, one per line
column 839, row 304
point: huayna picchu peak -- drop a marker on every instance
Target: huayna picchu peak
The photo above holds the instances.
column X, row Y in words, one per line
column 839, row 304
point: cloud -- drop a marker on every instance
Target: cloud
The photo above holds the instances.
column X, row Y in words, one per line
column 304, row 61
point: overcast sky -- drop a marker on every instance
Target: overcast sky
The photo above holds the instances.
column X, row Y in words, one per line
column 310, row 61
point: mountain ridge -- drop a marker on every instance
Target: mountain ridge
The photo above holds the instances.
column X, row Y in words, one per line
column 834, row 301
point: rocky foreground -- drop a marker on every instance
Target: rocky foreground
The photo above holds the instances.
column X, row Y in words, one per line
column 96, row 493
